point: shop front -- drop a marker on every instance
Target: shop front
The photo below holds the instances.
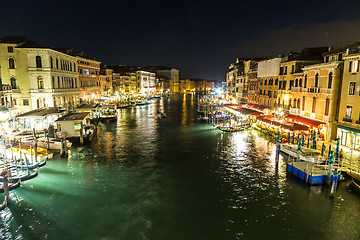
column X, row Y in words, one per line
column 349, row 137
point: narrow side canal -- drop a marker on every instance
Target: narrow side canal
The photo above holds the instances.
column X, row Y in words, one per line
column 149, row 177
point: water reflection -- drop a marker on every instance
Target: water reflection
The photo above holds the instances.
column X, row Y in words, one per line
column 184, row 115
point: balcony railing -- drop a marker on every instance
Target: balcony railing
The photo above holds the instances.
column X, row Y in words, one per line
column 327, row 90
column 294, row 111
column 296, row 89
column 5, row 88
column 16, row 90
column 313, row 90
column 345, row 119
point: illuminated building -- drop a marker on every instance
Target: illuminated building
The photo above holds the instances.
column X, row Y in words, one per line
column 89, row 75
column 106, row 83
column 145, row 82
column 316, row 96
column 349, row 111
column 167, row 78
column 268, row 82
column 253, row 89
column 37, row 75
column 291, row 66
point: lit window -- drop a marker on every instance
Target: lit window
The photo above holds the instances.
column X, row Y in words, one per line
column 352, row 88
column 356, row 66
column 40, row 82
column 348, row 112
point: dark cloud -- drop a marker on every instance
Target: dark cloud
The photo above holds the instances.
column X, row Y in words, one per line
column 295, row 38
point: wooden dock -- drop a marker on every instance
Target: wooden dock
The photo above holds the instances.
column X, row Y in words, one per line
column 311, row 173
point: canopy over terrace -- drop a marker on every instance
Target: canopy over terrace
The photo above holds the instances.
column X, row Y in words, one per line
column 257, row 107
column 86, row 107
column 40, row 118
column 305, row 121
column 285, row 125
column 243, row 110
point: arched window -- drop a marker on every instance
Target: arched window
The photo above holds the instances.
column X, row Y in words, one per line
column 314, row 105
column 330, row 80
column 13, row 83
column 40, row 82
column 38, row 62
column 327, row 107
column 57, row 64
column 300, row 82
column 316, row 83
column 303, row 103
column 53, row 82
column 296, row 82
column 51, row 62
column 294, row 103
column 305, row 82
column 76, row 83
column 11, row 63
column 298, row 103
column 58, row 86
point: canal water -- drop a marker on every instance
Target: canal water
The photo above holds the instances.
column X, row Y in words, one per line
column 175, row 177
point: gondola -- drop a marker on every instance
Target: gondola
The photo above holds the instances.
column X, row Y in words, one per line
column 12, row 186
column 22, row 176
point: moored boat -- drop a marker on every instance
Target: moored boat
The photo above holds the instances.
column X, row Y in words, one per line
column 217, row 118
column 11, row 186
column 108, row 112
column 355, row 178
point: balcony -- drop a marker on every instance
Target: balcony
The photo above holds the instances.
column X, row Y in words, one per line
column 345, row 119
column 313, row 90
column 35, row 69
column 296, row 89
column 16, row 90
column 327, row 90
column 294, row 111
column 5, row 87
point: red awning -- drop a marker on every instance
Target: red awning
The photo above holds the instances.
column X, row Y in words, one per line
column 269, row 119
column 294, row 126
column 243, row 109
column 305, row 121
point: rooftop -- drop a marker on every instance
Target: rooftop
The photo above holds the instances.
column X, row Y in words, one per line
column 73, row 116
column 41, row 112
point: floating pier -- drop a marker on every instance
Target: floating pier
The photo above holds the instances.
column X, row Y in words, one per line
column 311, row 173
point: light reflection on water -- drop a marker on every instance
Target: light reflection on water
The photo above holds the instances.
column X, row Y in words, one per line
column 147, row 177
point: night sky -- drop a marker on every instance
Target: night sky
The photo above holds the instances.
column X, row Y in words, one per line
column 199, row 38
